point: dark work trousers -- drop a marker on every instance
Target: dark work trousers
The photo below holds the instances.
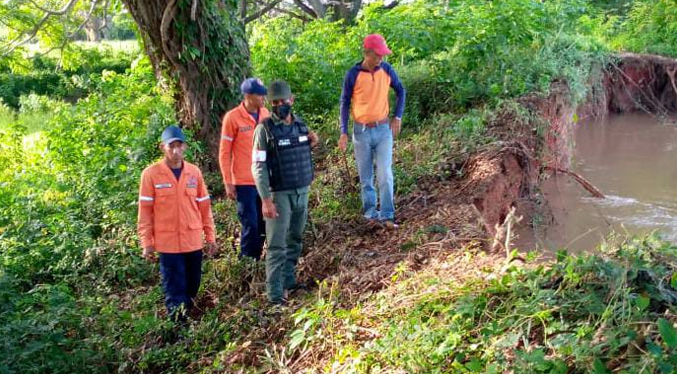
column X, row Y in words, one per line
column 251, row 217
column 181, row 273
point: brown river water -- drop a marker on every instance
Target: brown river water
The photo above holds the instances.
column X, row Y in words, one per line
column 632, row 159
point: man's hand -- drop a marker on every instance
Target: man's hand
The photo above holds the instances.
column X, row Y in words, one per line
column 230, row 191
column 210, row 249
column 149, row 254
column 314, row 139
column 343, row 142
column 268, row 208
column 395, row 125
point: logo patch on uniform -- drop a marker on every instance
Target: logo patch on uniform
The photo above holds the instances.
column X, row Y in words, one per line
column 245, row 128
column 163, row 185
column 192, row 182
column 284, row 142
column 303, row 138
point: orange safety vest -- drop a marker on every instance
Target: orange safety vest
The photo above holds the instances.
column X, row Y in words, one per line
column 174, row 214
column 237, row 140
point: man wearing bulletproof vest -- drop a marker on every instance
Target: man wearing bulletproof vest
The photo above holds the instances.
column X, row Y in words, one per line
column 283, row 171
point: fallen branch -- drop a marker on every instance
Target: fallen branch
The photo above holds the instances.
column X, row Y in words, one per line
column 587, row 185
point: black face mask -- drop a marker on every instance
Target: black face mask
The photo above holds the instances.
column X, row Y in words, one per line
column 282, row 111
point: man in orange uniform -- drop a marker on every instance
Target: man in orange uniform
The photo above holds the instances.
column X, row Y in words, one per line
column 174, row 212
column 235, row 159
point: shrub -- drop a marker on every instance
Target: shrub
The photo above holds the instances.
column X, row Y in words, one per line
column 650, row 27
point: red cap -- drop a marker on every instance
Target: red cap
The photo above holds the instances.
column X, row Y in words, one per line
column 376, row 43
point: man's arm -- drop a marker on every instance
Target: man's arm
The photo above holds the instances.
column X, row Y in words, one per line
column 228, row 135
column 346, row 98
column 400, row 92
column 260, row 171
column 145, row 215
column 204, row 203
column 259, row 165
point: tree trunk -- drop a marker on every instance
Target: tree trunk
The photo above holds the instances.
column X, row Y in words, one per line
column 200, row 45
column 93, row 29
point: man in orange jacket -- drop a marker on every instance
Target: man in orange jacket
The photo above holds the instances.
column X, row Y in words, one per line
column 235, row 159
column 174, row 212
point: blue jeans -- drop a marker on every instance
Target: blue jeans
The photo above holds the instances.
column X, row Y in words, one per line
column 375, row 145
column 253, row 227
column 181, row 273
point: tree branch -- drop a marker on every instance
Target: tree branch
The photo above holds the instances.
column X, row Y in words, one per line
column 319, row 7
column 15, row 43
column 59, row 12
column 357, row 4
column 105, row 16
column 391, row 5
column 306, row 9
column 193, row 10
column 167, row 17
column 72, row 34
column 262, row 11
column 292, row 14
column 243, row 9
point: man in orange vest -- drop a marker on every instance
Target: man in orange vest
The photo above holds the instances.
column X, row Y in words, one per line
column 235, row 159
column 174, row 213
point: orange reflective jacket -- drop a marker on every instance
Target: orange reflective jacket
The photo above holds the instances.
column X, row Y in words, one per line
column 174, row 214
column 237, row 139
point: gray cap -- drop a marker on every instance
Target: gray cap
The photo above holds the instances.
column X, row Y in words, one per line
column 279, row 90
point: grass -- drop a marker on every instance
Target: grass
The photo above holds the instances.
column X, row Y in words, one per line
column 32, row 121
column 613, row 311
column 115, row 45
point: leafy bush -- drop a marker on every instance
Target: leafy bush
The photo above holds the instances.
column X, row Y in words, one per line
column 614, row 311
column 67, row 218
column 61, row 77
column 650, row 27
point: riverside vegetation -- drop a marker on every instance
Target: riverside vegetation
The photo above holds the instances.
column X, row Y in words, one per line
column 75, row 295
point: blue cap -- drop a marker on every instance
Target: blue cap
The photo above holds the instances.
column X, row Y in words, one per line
column 253, row 86
column 172, row 134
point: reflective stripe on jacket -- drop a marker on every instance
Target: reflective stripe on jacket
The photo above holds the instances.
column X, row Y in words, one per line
column 173, row 214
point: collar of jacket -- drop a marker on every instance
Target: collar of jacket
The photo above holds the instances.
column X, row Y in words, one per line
column 377, row 68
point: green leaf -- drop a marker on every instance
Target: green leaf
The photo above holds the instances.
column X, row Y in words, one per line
column 599, row 367
column 665, row 367
column 475, row 365
column 298, row 337
column 642, row 302
column 668, row 332
column 559, row 367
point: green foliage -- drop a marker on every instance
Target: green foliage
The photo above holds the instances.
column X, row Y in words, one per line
column 123, row 27
column 593, row 313
column 67, row 221
column 650, row 27
column 66, row 76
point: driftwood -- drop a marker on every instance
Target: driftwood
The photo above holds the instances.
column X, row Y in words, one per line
column 587, row 185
